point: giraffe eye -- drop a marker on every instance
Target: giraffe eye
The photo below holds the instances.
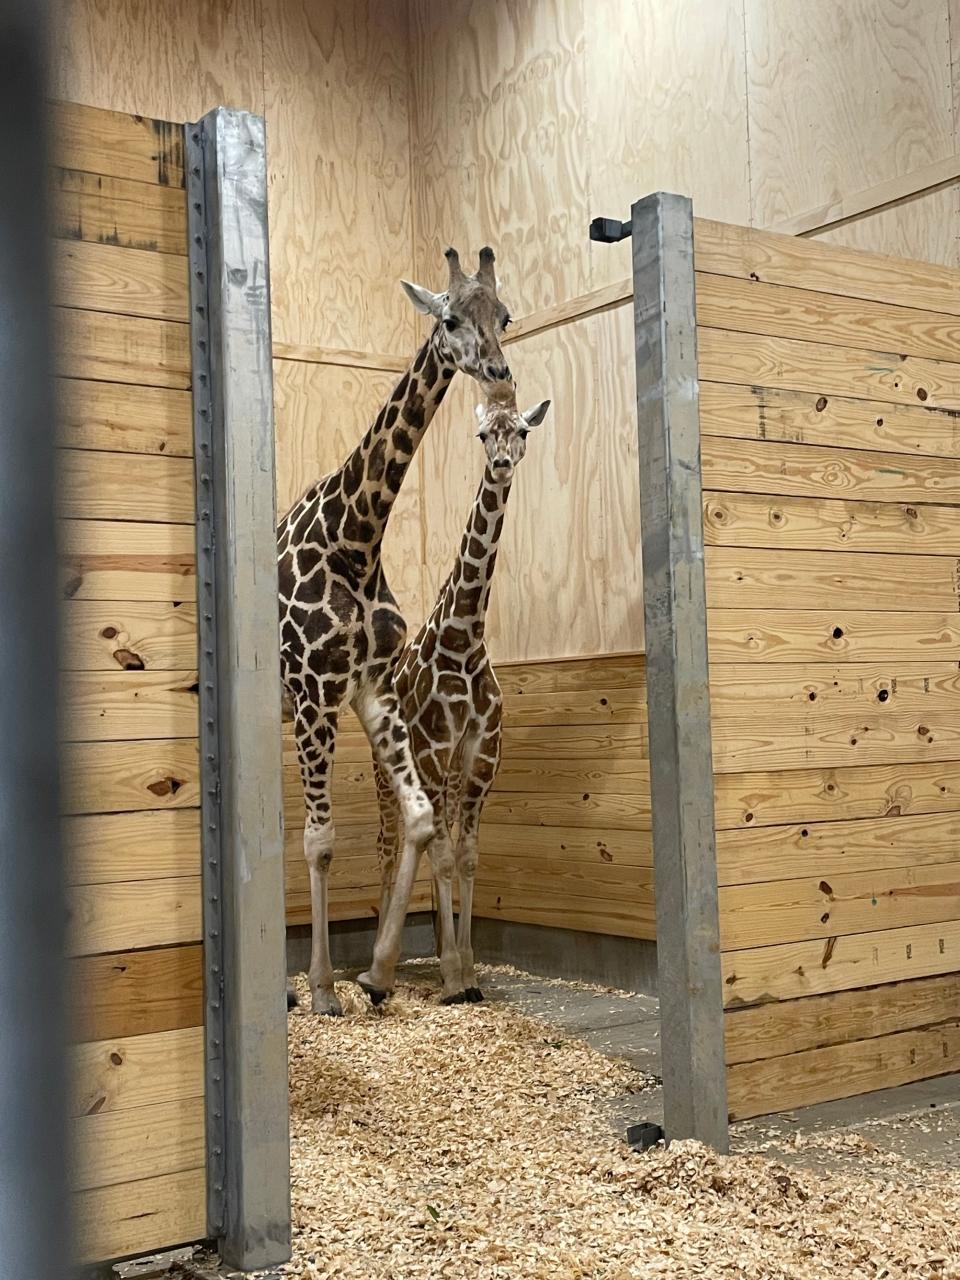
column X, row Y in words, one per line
column 450, row 323
column 507, row 319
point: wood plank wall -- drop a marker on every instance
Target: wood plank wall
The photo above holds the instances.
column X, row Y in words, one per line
column 565, row 839
column 130, row 754
column 830, row 397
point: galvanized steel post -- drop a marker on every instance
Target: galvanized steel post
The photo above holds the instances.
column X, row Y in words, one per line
column 678, row 692
column 244, row 925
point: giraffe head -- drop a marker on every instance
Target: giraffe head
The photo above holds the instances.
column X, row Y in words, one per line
column 503, row 428
column 470, row 318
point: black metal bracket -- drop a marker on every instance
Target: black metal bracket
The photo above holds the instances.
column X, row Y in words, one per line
column 643, row 1136
column 610, row 230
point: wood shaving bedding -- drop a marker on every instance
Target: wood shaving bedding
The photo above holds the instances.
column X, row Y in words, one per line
column 469, row 1142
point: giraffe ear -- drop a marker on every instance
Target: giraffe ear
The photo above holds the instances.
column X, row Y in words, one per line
column 533, row 417
column 427, row 303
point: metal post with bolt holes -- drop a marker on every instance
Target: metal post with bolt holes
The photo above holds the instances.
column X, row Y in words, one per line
column 678, row 693
column 34, row 1215
column 248, row 1140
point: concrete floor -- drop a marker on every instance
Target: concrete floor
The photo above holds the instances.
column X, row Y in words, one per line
column 920, row 1122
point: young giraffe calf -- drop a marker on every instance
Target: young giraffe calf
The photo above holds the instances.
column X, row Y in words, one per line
column 451, row 702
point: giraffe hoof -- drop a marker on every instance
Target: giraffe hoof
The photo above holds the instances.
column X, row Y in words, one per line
column 474, row 995
column 459, row 997
column 328, row 1006
column 377, row 994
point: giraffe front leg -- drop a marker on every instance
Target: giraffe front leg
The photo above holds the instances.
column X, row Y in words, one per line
column 442, row 864
column 379, row 714
column 316, row 736
column 467, row 853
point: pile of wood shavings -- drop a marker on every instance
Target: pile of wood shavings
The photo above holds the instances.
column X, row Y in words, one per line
column 467, row 1142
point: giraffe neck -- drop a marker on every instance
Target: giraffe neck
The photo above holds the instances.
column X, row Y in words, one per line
column 374, row 472
column 468, row 588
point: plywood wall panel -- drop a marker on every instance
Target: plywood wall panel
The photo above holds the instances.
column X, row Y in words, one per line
column 171, row 59
column 501, row 141
column 336, row 90
column 926, row 228
column 843, row 97
column 667, row 106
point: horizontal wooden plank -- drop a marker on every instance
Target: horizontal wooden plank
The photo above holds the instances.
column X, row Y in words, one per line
column 810, row 418
column 587, row 846
column 842, row 1070
column 793, row 969
column 119, row 348
column 95, row 485
column 794, row 716
column 787, row 1027
column 830, row 635
column 117, row 417
column 577, row 881
column 140, row 1217
column 757, row 915
column 111, row 848
column 131, row 282
column 626, row 920
column 736, row 686
column 130, row 635
column 827, row 370
column 739, row 578
column 115, row 777
column 532, row 808
column 121, row 1146
column 813, row 471
column 118, row 211
column 610, row 775
column 123, row 560
column 765, row 256
column 135, row 993
column 104, row 706
column 359, row 901
column 819, row 524
column 594, row 708
column 770, row 798
column 809, row 315
column 111, row 142
column 617, row 671
column 133, row 915
column 625, row 742
column 136, row 1071
column 825, row 849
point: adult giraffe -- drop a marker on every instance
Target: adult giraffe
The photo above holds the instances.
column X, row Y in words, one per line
column 341, row 632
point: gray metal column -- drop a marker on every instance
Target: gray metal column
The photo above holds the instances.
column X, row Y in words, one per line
column 678, row 692
column 33, row 1181
column 248, row 1140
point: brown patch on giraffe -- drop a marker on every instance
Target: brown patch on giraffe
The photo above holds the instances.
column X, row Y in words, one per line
column 489, row 500
column 285, row 575
column 480, row 523
column 468, row 602
column 454, row 639
column 402, row 441
column 469, row 571
column 389, row 631
column 430, row 368
column 356, row 529
column 377, row 461
column 450, row 685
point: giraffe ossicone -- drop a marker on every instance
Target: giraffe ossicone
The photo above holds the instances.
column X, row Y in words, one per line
column 341, row 632
column 451, row 702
